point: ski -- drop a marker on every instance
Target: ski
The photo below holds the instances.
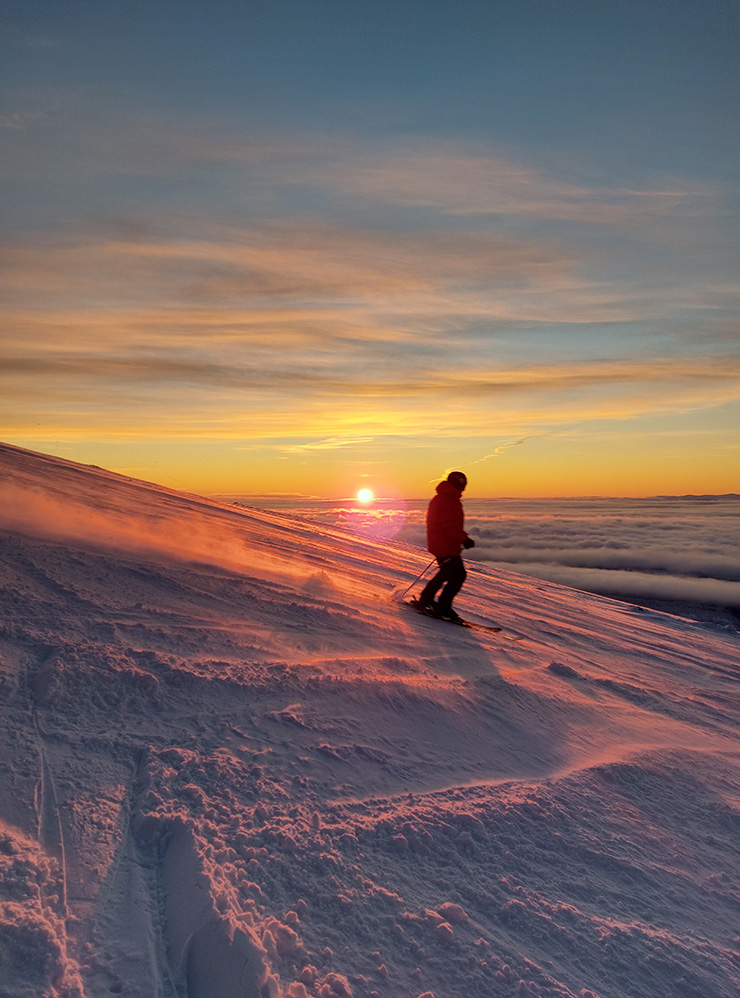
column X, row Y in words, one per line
column 472, row 625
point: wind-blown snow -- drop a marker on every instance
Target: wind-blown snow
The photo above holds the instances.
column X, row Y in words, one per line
column 679, row 554
column 233, row 766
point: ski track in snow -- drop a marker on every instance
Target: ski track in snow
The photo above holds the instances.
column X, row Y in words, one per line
column 234, row 768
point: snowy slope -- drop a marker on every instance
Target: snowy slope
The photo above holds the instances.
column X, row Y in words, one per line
column 233, row 767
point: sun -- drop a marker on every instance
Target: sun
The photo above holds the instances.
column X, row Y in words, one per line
column 365, row 495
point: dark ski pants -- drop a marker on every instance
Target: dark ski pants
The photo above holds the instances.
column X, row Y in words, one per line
column 451, row 575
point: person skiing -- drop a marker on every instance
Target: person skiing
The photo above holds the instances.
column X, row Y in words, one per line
column 445, row 540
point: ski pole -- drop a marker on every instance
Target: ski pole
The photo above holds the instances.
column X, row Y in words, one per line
column 419, row 576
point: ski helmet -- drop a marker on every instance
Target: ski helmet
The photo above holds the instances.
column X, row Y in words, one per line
column 458, row 479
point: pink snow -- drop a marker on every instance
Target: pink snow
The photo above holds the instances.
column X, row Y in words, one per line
column 235, row 766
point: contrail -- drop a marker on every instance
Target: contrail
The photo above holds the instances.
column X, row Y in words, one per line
column 500, row 450
column 486, row 457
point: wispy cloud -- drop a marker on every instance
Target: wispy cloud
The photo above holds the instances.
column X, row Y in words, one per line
column 280, row 377
column 375, row 320
column 443, row 175
column 421, row 285
column 292, row 175
column 463, row 180
column 331, row 443
column 277, row 264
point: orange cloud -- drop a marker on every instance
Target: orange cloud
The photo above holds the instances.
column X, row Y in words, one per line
column 323, row 331
column 464, row 180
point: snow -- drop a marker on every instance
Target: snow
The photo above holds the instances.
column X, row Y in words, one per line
column 233, row 766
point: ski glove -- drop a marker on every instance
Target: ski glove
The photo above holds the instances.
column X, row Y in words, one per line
column 468, row 542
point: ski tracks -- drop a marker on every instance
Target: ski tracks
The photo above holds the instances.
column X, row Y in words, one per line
column 130, row 926
column 108, row 887
column 50, row 833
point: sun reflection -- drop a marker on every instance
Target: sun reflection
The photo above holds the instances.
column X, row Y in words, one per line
column 365, row 495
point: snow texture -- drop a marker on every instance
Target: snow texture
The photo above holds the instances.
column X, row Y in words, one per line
column 680, row 554
column 235, row 768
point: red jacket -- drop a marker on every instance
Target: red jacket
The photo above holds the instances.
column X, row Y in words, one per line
column 445, row 519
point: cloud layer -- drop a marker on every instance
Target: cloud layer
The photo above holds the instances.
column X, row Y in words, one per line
column 670, row 549
column 176, row 278
column 277, row 317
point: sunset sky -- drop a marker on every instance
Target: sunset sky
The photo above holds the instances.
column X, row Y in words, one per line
column 306, row 246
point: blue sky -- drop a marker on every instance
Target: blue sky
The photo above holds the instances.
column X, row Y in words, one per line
column 266, row 244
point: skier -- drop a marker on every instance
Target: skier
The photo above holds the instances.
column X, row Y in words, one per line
column 445, row 540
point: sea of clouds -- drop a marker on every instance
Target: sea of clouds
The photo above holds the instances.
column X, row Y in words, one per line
column 681, row 552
